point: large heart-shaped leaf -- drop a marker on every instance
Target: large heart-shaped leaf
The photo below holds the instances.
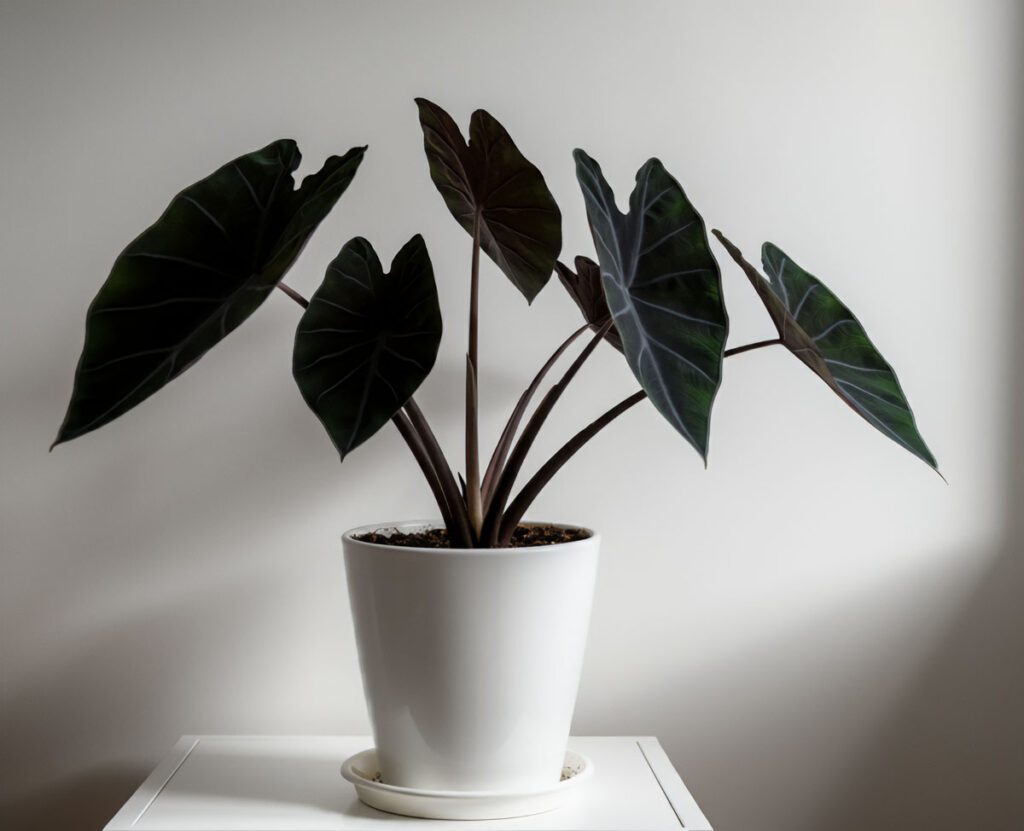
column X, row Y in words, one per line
column 367, row 340
column 194, row 275
column 664, row 292
column 489, row 181
column 584, row 287
column 823, row 333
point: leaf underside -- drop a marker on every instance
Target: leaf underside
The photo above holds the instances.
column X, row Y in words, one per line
column 584, row 287
column 663, row 289
column 200, row 270
column 823, row 333
column 520, row 224
column 367, row 339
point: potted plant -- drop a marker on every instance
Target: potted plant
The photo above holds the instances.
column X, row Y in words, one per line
column 470, row 629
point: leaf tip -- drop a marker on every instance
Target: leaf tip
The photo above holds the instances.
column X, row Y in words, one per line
column 481, row 115
column 931, row 461
column 425, row 104
column 62, row 436
column 652, row 163
column 770, row 255
column 703, row 451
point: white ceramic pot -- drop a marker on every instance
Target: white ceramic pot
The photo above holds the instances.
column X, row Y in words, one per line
column 470, row 657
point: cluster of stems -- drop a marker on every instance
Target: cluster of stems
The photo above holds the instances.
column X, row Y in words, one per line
column 481, row 513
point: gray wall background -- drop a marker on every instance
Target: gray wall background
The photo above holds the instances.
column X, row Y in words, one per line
column 821, row 632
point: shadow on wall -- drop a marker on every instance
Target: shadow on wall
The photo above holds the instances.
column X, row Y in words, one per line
column 950, row 755
column 787, row 730
column 83, row 701
column 85, row 802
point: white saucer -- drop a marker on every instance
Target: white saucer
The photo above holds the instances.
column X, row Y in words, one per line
column 362, row 771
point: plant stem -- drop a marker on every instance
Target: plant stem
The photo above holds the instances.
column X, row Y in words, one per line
column 736, row 350
column 474, row 502
column 522, row 502
column 419, row 450
column 492, row 522
column 461, row 532
column 294, row 295
column 508, row 434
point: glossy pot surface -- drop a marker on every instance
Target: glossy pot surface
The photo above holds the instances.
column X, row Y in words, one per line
column 471, row 658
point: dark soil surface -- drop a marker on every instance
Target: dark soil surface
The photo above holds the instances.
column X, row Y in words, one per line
column 524, row 536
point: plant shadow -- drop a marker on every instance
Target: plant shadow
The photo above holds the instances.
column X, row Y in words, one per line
column 950, row 753
column 84, row 802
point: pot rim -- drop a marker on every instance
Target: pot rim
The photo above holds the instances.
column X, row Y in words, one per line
column 425, row 524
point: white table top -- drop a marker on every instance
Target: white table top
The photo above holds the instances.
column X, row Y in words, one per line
column 293, row 783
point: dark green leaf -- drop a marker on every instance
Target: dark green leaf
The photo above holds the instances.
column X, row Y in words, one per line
column 367, row 340
column 823, row 333
column 664, row 292
column 520, row 224
column 584, row 287
column 195, row 274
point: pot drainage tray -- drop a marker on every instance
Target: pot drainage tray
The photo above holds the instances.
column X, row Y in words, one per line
column 363, row 772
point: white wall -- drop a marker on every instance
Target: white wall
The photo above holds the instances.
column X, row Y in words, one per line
column 822, row 633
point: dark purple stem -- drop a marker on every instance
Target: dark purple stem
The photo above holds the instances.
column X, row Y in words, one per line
column 294, row 295
column 509, row 433
column 737, row 350
column 419, row 450
column 492, row 522
column 462, row 530
column 474, row 500
column 521, row 504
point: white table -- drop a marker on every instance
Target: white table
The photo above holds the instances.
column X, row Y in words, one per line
column 292, row 783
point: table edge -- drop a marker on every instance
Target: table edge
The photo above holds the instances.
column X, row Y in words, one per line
column 689, row 814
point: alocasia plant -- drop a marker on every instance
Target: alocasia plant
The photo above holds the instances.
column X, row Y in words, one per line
column 368, row 338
